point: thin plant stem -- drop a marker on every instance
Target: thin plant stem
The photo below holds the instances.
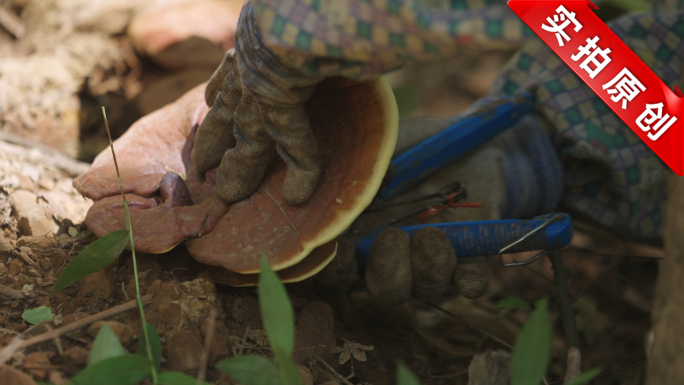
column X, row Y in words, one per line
column 135, row 263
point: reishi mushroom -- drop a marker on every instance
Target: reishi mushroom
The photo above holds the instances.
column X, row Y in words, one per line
column 355, row 124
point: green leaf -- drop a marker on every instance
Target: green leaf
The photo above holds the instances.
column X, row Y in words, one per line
column 287, row 370
column 277, row 314
column 405, row 376
column 155, row 345
column 532, row 350
column 407, row 99
column 105, row 346
column 250, row 370
column 586, row 377
column 37, row 315
column 512, row 303
column 95, row 257
column 176, row 378
column 124, row 370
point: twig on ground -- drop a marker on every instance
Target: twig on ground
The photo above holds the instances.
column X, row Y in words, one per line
column 534, row 271
column 652, row 257
column 202, row 373
column 24, row 257
column 58, row 272
column 310, row 348
column 351, row 375
column 9, row 350
column 15, row 144
column 18, row 343
column 624, row 278
column 10, row 293
column 46, row 325
column 495, row 338
column 333, row 371
column 244, row 341
column 634, row 365
column 538, row 273
column 613, row 263
column 567, row 314
column 58, row 344
column 452, row 375
column 123, row 290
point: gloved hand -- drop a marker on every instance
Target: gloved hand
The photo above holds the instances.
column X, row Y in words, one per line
column 398, row 267
column 515, row 175
column 424, row 266
column 257, row 104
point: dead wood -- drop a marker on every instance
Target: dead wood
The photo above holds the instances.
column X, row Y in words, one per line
column 666, row 358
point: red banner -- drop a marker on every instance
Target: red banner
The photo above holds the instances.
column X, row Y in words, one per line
column 615, row 73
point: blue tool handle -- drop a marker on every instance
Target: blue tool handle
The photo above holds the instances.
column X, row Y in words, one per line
column 424, row 159
column 483, row 238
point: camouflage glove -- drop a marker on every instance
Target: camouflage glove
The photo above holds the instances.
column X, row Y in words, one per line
column 424, row 266
column 257, row 105
column 398, row 267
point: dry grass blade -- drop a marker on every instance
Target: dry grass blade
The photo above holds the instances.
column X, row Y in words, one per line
column 201, row 374
column 130, row 237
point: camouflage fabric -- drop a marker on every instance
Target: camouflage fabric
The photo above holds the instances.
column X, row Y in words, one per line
column 666, row 5
column 365, row 38
column 611, row 176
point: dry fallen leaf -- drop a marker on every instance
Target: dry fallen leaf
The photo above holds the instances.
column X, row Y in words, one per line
column 259, row 337
column 349, row 349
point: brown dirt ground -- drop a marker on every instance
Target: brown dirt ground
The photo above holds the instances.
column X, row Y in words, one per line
column 612, row 317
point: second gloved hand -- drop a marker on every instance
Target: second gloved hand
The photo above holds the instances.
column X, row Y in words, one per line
column 423, row 266
column 257, row 105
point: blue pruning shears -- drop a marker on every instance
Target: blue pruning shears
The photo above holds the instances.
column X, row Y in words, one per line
column 470, row 131
column 496, row 237
column 478, row 238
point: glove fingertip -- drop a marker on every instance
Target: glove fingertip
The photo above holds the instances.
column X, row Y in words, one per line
column 209, row 97
column 472, row 278
column 299, row 186
column 433, row 261
column 388, row 276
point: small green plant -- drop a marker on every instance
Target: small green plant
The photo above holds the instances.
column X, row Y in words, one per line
column 37, row 315
column 108, row 363
column 510, row 304
column 277, row 316
column 95, row 257
column 532, row 350
column 105, row 346
column 405, row 376
column 585, row 377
